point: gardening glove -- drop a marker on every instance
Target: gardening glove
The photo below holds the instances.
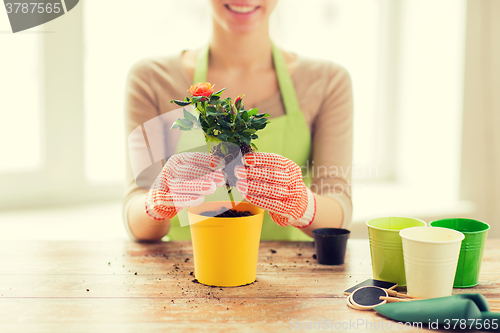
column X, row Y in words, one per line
column 273, row 182
column 183, row 182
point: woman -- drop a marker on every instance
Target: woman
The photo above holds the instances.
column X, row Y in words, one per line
column 310, row 103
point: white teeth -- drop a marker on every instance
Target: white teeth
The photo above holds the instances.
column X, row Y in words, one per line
column 241, row 9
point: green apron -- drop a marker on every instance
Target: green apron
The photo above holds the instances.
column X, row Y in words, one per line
column 286, row 135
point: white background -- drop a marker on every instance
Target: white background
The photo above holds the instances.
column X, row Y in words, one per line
column 405, row 57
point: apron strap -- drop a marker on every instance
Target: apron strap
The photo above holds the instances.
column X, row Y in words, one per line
column 201, row 69
column 287, row 89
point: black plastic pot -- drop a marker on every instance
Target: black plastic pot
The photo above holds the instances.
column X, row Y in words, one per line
column 330, row 245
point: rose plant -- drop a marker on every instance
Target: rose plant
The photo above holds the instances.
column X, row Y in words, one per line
column 226, row 124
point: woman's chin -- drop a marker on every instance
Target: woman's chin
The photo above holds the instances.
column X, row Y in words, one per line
column 240, row 28
column 242, row 23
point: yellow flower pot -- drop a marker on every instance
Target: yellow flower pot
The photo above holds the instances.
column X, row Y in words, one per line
column 225, row 248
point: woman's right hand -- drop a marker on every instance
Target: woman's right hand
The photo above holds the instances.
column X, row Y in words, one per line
column 183, row 182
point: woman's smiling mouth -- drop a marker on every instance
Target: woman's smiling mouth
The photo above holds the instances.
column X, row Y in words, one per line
column 241, row 9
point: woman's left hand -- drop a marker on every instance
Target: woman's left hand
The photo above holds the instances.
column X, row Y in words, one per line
column 273, row 182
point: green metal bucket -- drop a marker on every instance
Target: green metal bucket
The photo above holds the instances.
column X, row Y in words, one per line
column 386, row 248
column 471, row 251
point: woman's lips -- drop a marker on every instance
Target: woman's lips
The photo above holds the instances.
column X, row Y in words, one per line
column 242, row 11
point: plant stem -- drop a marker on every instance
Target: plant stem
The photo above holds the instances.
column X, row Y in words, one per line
column 230, row 195
column 227, row 185
column 208, row 145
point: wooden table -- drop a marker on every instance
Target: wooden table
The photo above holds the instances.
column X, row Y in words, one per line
column 54, row 286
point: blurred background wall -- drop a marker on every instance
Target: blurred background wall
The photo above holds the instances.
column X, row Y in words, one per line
column 426, row 77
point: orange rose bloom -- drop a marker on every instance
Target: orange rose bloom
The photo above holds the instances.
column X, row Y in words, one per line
column 201, row 89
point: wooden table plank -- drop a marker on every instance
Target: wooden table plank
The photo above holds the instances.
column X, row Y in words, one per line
column 267, row 286
column 43, row 288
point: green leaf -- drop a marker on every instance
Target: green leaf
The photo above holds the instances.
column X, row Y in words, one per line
column 223, row 136
column 246, row 138
column 260, row 115
column 174, row 125
column 244, row 115
column 258, row 126
column 180, row 103
column 183, row 123
column 210, row 138
column 254, row 146
column 196, row 99
column 212, row 111
column 224, row 123
column 233, row 115
column 263, row 126
column 250, row 131
column 219, row 92
column 204, row 121
column 214, row 98
column 189, row 116
column 253, row 112
column 219, row 127
column 259, row 121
